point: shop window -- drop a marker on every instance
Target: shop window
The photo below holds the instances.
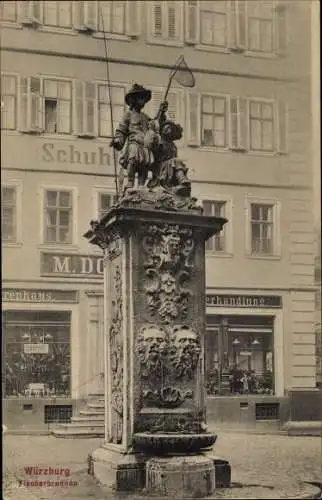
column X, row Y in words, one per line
column 58, row 216
column 241, row 352
column 36, row 354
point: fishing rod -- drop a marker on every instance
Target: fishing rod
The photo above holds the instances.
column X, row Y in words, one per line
column 110, row 98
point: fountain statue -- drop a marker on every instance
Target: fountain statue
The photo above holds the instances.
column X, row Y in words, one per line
column 153, row 241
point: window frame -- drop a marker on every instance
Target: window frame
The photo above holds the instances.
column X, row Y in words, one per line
column 97, row 84
column 97, row 191
column 54, row 27
column 276, row 225
column 57, row 79
column 17, row 185
column 274, row 121
column 17, row 101
column 106, row 28
column 228, row 227
column 225, row 97
column 213, row 46
column 152, row 39
column 8, row 22
column 74, row 220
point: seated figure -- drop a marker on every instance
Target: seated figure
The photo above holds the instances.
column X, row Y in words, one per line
column 168, row 170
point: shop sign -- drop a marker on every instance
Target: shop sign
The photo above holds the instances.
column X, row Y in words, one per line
column 251, row 301
column 39, row 296
column 35, row 348
column 71, row 265
column 60, row 153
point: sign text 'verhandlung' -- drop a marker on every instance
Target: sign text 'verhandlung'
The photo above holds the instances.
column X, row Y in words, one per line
column 255, row 301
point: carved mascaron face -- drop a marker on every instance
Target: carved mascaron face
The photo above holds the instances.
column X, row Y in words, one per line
column 168, row 283
column 173, row 245
column 154, row 342
column 187, row 348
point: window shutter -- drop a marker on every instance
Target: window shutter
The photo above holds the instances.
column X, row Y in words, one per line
column 232, row 19
column 242, row 124
column 238, row 119
column 193, row 119
column 192, row 21
column 89, row 103
column 132, row 17
column 280, row 29
column 78, row 108
column 281, row 126
column 172, row 19
column 241, row 24
column 90, row 11
column 23, row 104
column 157, row 19
column 37, row 108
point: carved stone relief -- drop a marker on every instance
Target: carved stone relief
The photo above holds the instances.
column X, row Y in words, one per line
column 116, row 354
column 168, row 252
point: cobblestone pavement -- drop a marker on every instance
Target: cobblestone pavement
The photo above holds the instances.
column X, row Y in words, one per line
column 255, row 459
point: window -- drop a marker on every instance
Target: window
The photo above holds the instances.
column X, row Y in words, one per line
column 262, row 229
column 165, row 20
column 36, row 354
column 260, row 25
column 173, row 99
column 104, row 110
column 8, row 11
column 57, row 106
column 113, row 14
column 58, row 216
column 213, row 23
column 105, row 202
column 9, row 102
column 261, row 120
column 58, row 13
column 239, row 355
column 213, row 121
column 9, row 214
column 217, row 209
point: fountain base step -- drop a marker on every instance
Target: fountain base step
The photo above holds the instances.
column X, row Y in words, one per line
column 188, row 476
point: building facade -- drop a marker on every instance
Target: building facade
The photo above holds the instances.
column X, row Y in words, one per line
column 247, row 144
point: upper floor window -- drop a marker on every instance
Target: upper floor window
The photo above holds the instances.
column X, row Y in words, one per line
column 261, row 119
column 213, row 121
column 8, row 102
column 57, row 13
column 105, row 202
column 238, row 123
column 217, row 209
column 213, row 23
column 58, row 208
column 9, row 213
column 8, row 11
column 165, row 19
column 106, row 96
column 260, row 18
column 262, row 229
column 57, row 106
column 111, row 17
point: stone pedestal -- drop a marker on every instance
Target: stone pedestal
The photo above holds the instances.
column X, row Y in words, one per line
column 154, row 258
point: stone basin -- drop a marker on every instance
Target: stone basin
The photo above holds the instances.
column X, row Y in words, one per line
column 172, row 443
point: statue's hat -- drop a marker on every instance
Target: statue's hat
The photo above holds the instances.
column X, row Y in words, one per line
column 135, row 91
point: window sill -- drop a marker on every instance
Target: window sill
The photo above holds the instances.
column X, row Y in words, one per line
column 59, row 247
column 213, row 253
column 263, row 257
column 11, row 24
column 57, row 29
column 259, row 55
column 212, row 48
column 165, row 43
column 12, row 244
column 115, row 36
